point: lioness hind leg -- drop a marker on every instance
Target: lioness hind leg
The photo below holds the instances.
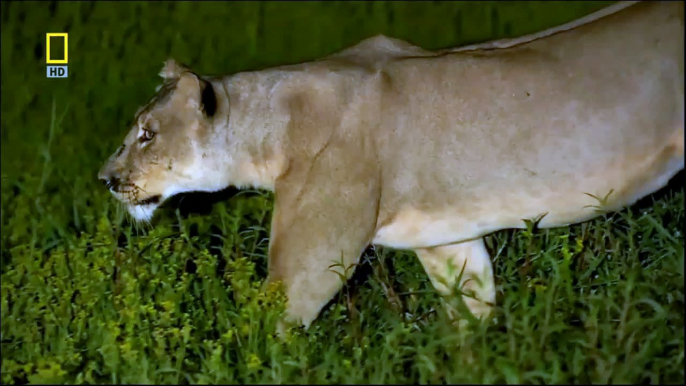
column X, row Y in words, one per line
column 466, row 264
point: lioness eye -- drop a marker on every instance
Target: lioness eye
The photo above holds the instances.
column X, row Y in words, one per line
column 147, row 135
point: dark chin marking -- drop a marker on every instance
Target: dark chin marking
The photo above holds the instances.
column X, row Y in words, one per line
column 150, row 200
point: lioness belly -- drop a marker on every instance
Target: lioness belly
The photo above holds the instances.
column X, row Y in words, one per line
column 488, row 208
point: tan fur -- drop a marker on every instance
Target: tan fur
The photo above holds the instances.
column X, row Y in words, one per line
column 391, row 144
column 467, row 261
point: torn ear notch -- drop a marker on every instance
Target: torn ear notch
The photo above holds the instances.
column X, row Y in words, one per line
column 173, row 70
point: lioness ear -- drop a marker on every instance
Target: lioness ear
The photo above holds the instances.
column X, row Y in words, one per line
column 197, row 93
column 188, row 90
column 172, row 69
column 208, row 99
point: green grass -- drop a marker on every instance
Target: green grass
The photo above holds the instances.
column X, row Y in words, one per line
column 89, row 298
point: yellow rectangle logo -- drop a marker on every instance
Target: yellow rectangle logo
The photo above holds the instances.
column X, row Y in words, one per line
column 47, row 50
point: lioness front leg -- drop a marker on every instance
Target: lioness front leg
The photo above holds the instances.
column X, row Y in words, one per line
column 301, row 257
column 445, row 264
column 319, row 221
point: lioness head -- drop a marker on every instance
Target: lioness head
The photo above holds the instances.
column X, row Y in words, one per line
column 162, row 153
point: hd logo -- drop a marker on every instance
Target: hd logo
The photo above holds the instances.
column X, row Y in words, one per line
column 56, row 71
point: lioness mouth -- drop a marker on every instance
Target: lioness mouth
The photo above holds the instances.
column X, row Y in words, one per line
column 150, row 200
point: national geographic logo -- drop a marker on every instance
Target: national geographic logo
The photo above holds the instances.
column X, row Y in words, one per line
column 54, row 55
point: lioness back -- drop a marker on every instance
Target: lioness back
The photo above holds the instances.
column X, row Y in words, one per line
column 525, row 131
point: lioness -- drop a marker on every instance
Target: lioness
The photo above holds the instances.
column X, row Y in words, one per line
column 386, row 143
